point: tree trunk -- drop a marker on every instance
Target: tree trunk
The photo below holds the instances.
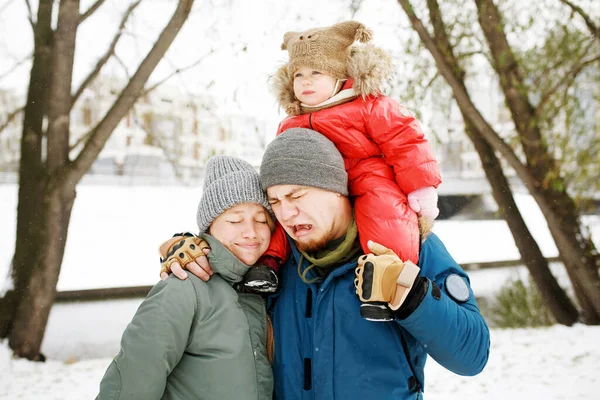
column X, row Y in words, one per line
column 31, row 169
column 577, row 251
column 40, row 244
column 47, row 187
column 554, row 296
column 579, row 255
column 532, row 183
column 32, row 313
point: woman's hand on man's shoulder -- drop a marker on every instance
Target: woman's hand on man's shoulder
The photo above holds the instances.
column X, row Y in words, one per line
column 185, row 251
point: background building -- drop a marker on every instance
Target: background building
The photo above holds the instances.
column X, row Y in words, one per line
column 167, row 136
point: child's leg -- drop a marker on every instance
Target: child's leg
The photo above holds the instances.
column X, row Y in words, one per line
column 383, row 216
column 279, row 247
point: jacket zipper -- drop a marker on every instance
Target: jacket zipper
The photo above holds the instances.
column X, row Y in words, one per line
column 417, row 387
column 310, row 121
column 307, row 384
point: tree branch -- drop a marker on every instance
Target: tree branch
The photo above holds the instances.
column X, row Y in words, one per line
column 546, row 71
column 84, row 137
column 59, row 91
column 594, row 30
column 30, row 14
column 79, row 141
column 532, row 181
column 122, row 64
column 467, row 54
column 16, row 66
column 109, row 52
column 566, row 78
column 176, row 72
column 128, row 97
column 464, row 101
column 516, row 93
column 169, row 155
column 432, row 80
column 439, row 31
column 10, row 117
column 91, row 10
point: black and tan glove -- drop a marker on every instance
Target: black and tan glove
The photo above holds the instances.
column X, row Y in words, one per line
column 382, row 277
column 182, row 248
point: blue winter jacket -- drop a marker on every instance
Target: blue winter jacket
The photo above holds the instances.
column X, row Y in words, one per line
column 325, row 350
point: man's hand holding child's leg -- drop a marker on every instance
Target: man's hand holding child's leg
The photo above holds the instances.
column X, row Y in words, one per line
column 382, row 277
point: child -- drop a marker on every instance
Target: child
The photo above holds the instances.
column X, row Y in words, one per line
column 334, row 88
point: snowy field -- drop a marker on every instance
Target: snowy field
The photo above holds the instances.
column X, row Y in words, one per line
column 107, row 219
column 529, row 364
column 554, row 363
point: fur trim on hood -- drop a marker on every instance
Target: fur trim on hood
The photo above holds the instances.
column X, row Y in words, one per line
column 368, row 66
column 425, row 227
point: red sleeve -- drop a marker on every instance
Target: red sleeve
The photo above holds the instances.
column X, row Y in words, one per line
column 282, row 126
column 402, row 142
column 279, row 246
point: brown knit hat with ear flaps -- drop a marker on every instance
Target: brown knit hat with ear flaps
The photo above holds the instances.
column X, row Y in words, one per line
column 324, row 49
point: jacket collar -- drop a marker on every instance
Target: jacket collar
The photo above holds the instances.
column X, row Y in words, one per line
column 343, row 96
column 224, row 262
column 335, row 272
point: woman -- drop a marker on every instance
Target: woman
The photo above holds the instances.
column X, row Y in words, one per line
column 191, row 339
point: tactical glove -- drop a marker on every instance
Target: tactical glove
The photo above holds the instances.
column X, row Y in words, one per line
column 182, row 248
column 382, row 277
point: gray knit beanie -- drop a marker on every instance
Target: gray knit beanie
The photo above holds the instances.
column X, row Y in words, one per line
column 229, row 181
column 304, row 157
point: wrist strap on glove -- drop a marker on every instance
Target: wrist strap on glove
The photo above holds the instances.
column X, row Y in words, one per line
column 404, row 283
column 384, row 279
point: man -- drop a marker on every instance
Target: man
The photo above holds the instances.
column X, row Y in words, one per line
column 324, row 349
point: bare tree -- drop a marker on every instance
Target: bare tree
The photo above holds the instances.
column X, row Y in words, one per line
column 593, row 28
column 554, row 296
column 47, row 175
column 540, row 171
column 10, row 117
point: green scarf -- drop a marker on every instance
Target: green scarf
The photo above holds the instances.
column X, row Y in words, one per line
column 336, row 253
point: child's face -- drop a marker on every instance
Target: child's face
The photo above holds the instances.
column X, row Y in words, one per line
column 312, row 87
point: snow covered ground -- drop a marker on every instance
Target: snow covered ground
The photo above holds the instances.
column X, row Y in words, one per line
column 550, row 364
column 107, row 219
column 553, row 363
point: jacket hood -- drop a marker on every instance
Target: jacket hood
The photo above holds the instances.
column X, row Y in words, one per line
column 224, row 262
column 368, row 66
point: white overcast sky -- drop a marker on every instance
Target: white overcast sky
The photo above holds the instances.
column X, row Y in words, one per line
column 244, row 35
column 225, row 26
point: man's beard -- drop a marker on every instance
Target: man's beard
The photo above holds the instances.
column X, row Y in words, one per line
column 316, row 244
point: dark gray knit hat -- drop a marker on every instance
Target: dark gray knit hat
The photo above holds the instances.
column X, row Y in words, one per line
column 304, row 157
column 229, row 181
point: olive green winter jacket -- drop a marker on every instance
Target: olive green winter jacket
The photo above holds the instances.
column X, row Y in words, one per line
column 194, row 340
